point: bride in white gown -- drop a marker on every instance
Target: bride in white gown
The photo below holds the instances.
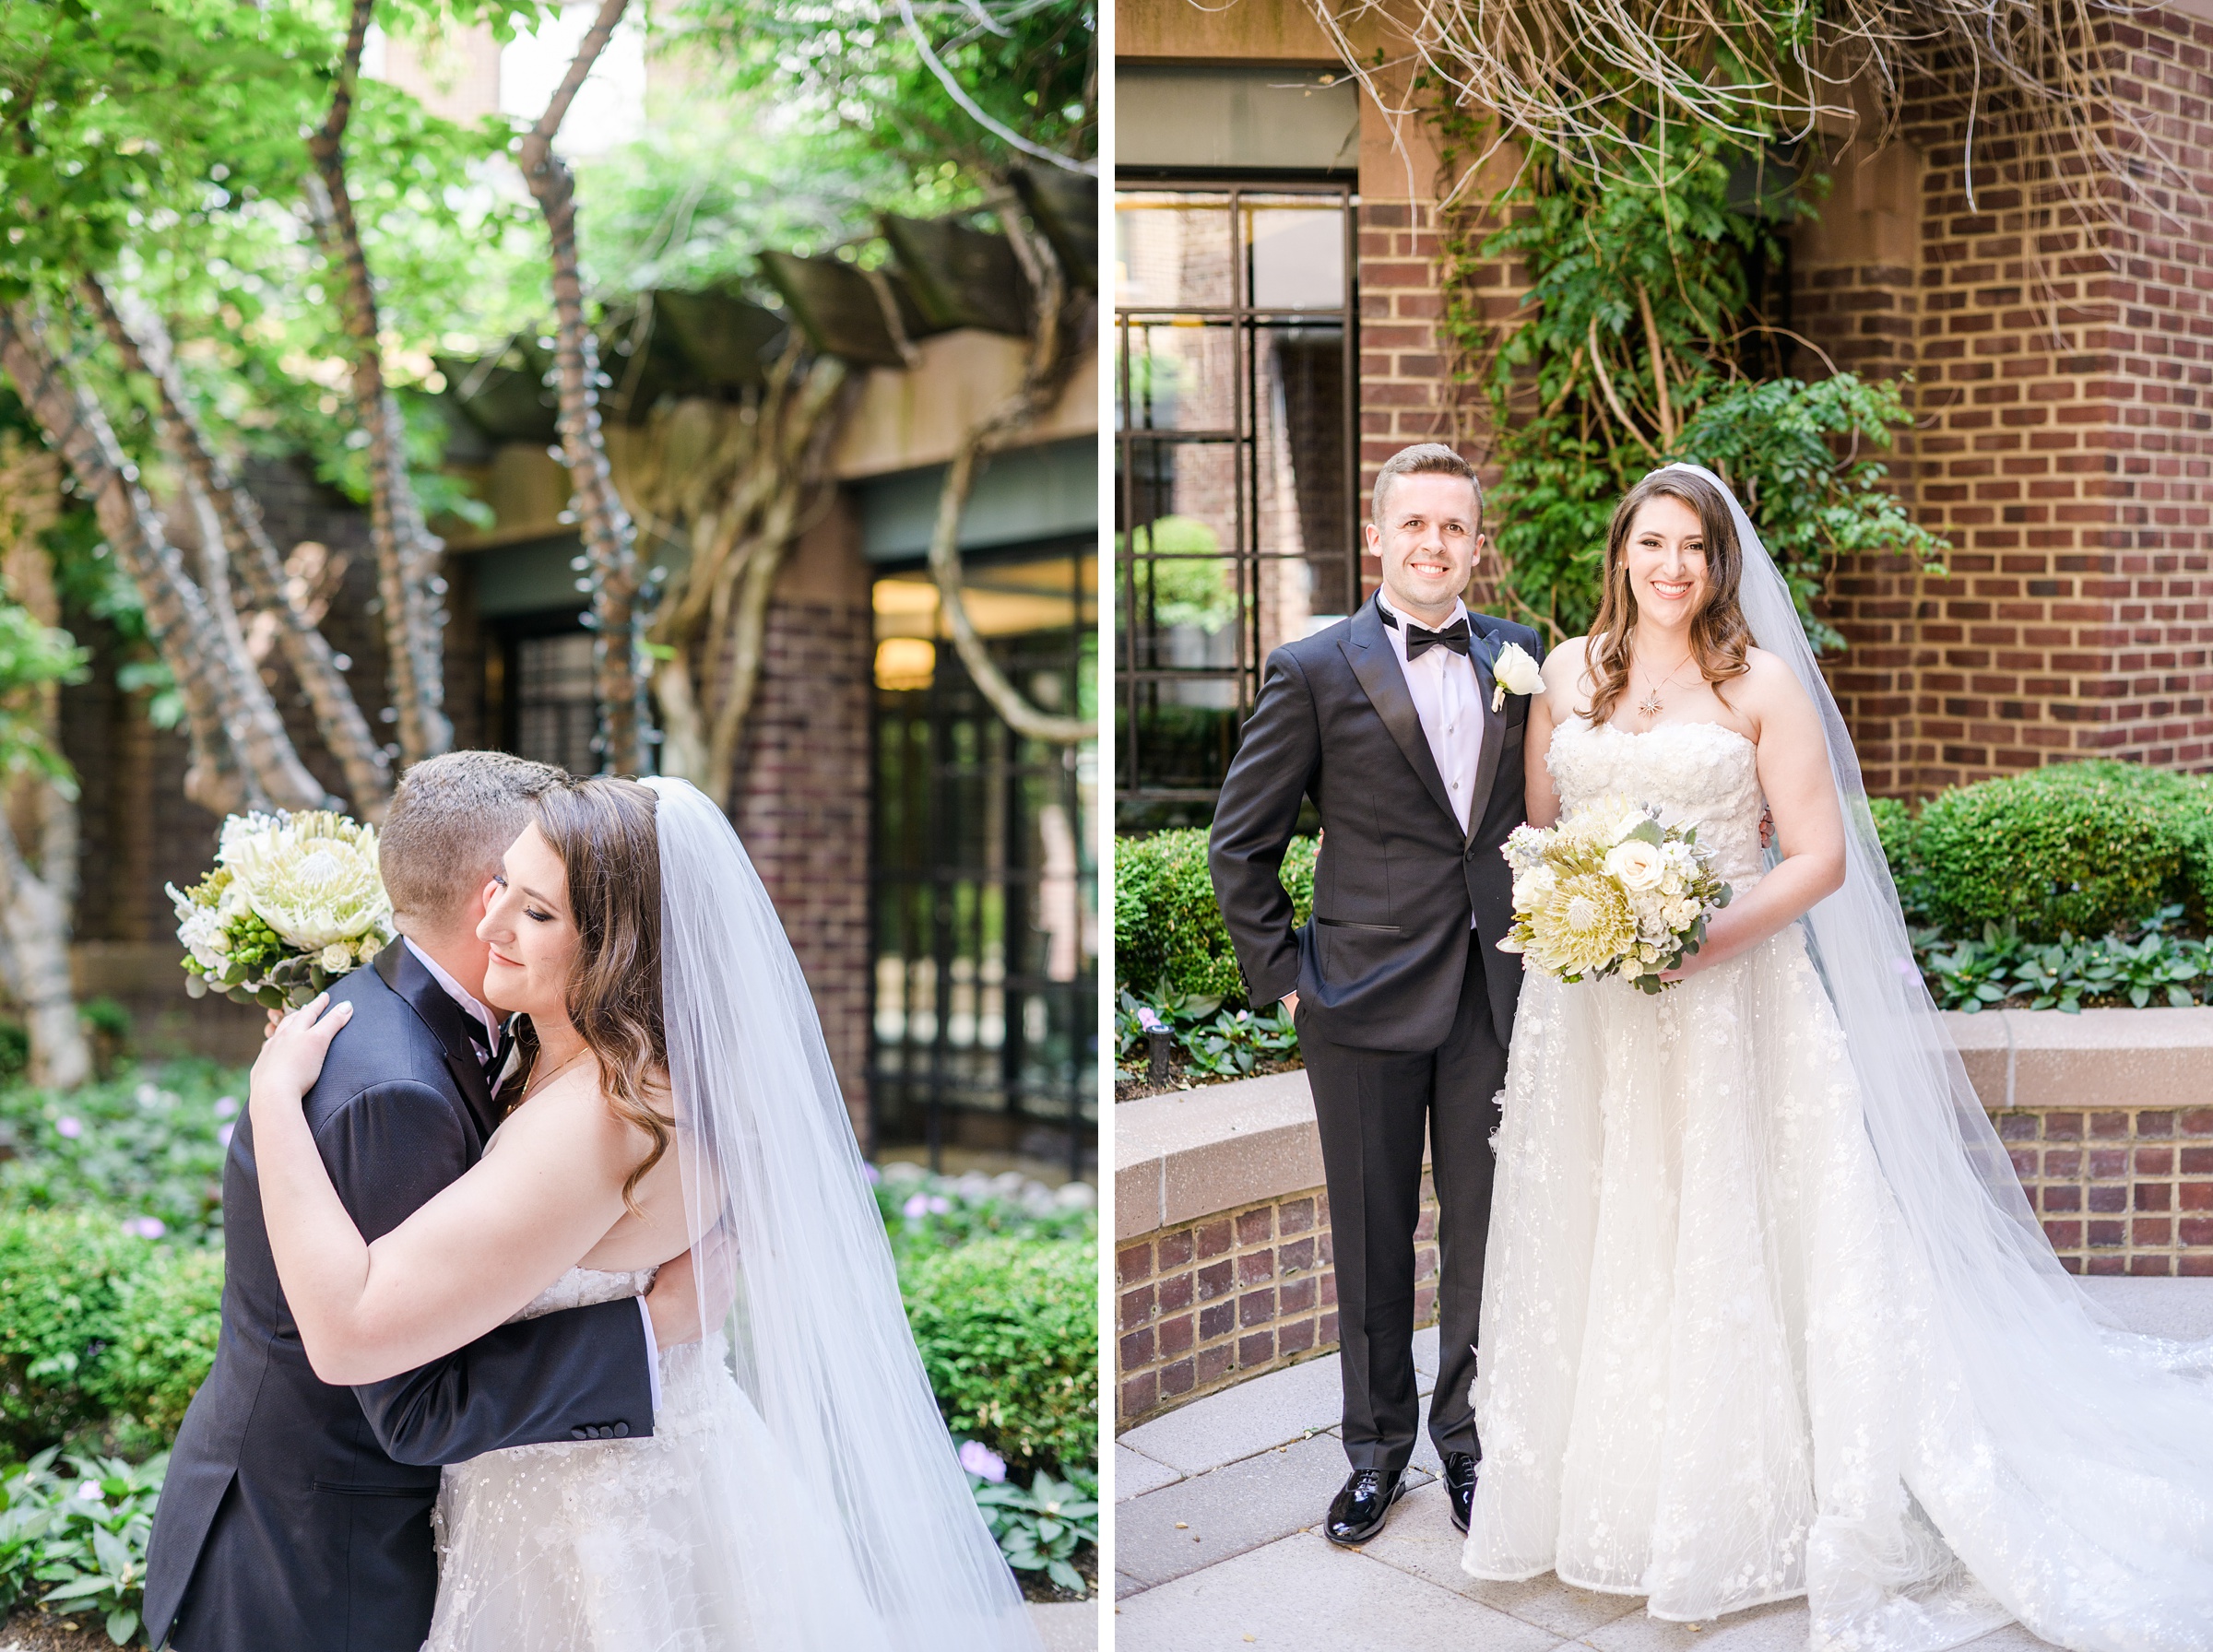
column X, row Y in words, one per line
column 798, row 1491
column 1765, row 1311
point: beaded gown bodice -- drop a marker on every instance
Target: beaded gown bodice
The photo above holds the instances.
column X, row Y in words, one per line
column 1699, row 772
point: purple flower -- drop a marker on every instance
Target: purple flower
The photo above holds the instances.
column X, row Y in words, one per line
column 223, row 1136
column 940, row 1207
column 225, row 1105
column 875, row 1176
column 69, row 1128
column 145, row 1227
column 983, row 1462
column 916, row 1208
column 1244, row 1015
column 1150, row 1021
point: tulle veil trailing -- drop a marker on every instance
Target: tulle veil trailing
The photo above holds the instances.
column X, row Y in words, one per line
column 793, row 1260
column 2102, row 1441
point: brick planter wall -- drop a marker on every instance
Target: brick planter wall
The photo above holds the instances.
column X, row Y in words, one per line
column 1204, row 1306
column 1220, row 1277
column 2119, row 1191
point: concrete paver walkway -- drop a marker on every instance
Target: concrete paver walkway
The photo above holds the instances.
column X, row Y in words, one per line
column 1217, row 1542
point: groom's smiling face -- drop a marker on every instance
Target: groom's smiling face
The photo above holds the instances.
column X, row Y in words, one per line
column 1428, row 541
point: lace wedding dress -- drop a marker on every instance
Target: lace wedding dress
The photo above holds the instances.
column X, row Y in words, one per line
column 695, row 1538
column 1714, row 1370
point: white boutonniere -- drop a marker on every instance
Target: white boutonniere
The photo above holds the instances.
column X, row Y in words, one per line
column 1513, row 672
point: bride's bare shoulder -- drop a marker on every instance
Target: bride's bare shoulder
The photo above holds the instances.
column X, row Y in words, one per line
column 1772, row 695
column 1568, row 672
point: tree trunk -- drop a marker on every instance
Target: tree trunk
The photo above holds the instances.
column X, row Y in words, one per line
column 740, row 491
column 407, row 553
column 241, row 756
column 1053, row 353
column 609, row 540
column 238, row 520
column 34, row 912
column 34, row 921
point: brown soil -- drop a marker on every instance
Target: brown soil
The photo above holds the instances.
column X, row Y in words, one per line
column 1132, row 1085
column 1035, row 1585
column 33, row 1631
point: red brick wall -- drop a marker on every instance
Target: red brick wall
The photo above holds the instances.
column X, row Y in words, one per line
column 2063, row 447
column 802, row 803
column 1210, row 1303
column 2125, row 1190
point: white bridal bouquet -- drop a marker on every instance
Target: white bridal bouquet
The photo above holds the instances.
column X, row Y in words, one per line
column 1611, row 891
column 295, row 902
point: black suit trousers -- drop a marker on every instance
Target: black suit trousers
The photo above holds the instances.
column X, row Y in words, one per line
column 1374, row 1110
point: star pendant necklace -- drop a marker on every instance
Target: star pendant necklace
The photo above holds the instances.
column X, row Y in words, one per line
column 1652, row 705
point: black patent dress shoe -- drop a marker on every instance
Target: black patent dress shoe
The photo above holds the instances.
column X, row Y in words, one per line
column 1459, row 1485
column 1358, row 1511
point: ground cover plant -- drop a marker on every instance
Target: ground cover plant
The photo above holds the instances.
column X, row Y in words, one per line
column 111, row 1294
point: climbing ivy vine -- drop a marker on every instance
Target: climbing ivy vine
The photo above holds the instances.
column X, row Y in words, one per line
column 1642, row 338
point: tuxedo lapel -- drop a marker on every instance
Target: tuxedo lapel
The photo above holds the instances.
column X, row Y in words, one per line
column 403, row 974
column 1494, row 736
column 1376, row 664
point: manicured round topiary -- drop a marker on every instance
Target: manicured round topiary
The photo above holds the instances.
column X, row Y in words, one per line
column 2078, row 848
column 1009, row 1330
column 1167, row 926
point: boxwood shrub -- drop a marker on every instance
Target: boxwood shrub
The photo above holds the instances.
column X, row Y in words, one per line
column 2081, row 848
column 1009, row 1330
column 1167, row 926
column 101, row 1330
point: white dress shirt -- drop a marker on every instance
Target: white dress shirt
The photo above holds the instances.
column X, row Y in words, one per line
column 1449, row 701
column 483, row 1015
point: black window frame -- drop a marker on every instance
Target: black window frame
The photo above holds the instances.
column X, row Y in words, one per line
column 1136, row 801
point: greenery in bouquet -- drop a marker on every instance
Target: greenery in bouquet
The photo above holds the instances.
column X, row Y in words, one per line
column 295, row 902
column 1611, row 890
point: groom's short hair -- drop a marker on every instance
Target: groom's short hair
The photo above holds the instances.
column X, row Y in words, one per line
column 1424, row 458
column 451, row 819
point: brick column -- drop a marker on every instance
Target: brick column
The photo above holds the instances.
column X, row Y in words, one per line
column 803, row 798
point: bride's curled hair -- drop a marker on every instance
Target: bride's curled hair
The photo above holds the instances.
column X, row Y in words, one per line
column 606, row 834
column 1719, row 635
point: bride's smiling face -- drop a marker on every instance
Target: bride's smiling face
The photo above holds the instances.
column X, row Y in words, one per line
column 530, row 929
column 1666, row 556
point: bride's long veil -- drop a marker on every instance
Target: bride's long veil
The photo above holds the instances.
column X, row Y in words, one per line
column 2101, row 1442
column 786, row 1228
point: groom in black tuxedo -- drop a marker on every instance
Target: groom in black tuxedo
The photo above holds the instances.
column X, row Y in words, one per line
column 1402, row 1002
column 296, row 1516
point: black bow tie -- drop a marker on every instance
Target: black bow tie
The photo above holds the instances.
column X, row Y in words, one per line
column 1418, row 642
column 498, row 1059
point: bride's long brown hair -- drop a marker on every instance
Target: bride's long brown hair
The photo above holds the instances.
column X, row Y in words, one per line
column 604, row 830
column 1719, row 635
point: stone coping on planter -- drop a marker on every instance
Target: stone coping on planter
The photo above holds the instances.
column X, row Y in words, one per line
column 1195, row 1152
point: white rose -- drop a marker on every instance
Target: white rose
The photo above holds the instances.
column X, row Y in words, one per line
column 1636, row 864
column 1514, row 673
column 338, row 957
column 1680, row 913
column 1532, row 887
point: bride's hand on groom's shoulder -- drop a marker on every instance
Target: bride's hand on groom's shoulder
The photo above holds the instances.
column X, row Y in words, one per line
column 291, row 1057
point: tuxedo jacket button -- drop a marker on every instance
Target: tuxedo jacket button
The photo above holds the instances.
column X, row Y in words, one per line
column 577, row 1433
column 621, row 1431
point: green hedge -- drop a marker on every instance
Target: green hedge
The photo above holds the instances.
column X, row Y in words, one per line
column 1167, row 926
column 1008, row 1332
column 100, row 1330
column 2077, row 848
